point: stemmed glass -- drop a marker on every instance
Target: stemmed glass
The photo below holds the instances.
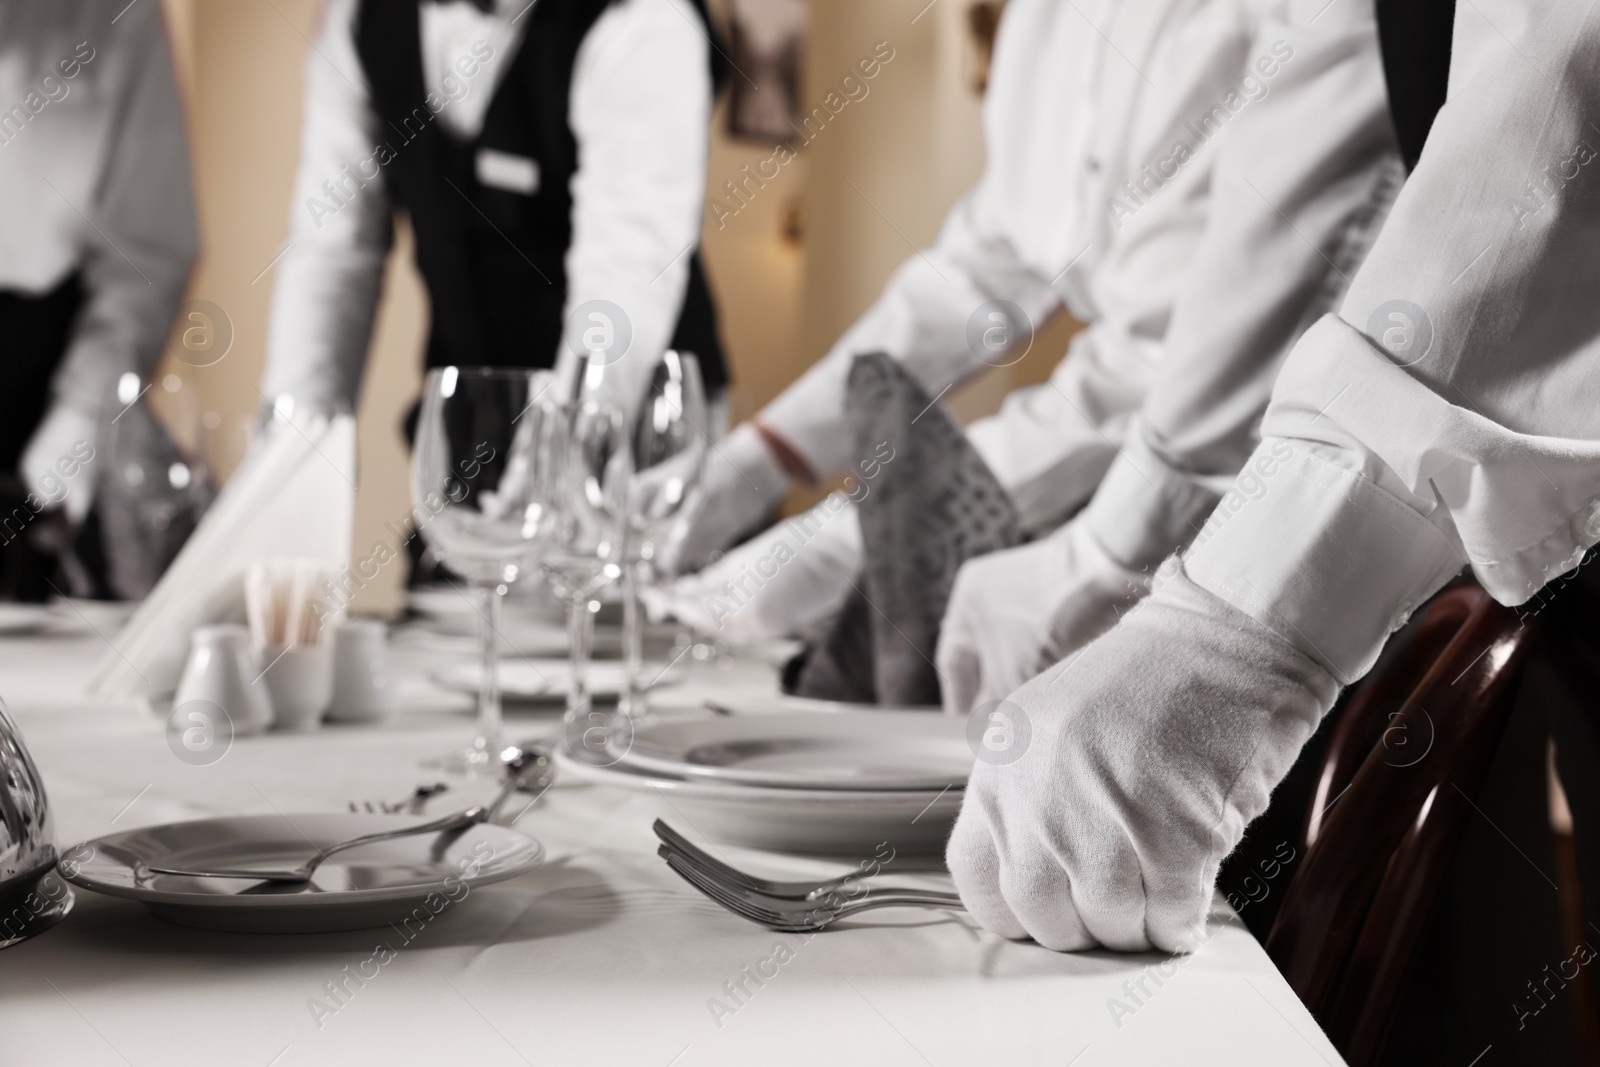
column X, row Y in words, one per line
column 669, row 451
column 475, row 498
column 587, row 468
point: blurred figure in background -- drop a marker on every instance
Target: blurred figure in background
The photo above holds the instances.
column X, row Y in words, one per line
column 551, row 158
column 97, row 234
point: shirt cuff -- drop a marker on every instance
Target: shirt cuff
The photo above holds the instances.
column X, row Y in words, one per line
column 1145, row 508
column 1321, row 555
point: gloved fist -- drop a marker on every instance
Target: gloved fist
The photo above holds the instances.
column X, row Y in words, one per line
column 57, row 464
column 782, row 583
column 1013, row 613
column 740, row 486
column 1141, row 762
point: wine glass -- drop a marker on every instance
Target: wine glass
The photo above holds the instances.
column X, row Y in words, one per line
column 587, row 469
column 474, row 497
column 669, row 450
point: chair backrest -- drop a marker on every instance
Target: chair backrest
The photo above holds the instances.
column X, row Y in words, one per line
column 1409, row 755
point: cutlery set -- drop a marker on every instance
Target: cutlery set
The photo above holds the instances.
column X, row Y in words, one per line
column 788, row 907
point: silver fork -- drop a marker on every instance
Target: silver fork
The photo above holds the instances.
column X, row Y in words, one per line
column 715, row 868
column 802, row 916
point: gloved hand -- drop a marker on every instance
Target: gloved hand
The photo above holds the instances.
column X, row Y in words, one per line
column 58, row 463
column 1013, row 613
column 1141, row 762
column 740, row 486
column 782, row 583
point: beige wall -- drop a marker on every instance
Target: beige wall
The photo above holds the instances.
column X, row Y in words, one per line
column 241, row 62
column 911, row 146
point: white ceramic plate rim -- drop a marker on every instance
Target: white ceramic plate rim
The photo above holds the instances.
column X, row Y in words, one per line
column 748, row 794
column 835, row 707
column 462, row 678
column 653, row 753
column 82, row 874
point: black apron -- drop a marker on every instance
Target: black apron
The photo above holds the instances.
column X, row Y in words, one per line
column 494, row 259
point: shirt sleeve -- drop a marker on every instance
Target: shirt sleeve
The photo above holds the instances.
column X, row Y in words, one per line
column 641, row 113
column 339, row 233
column 1302, row 178
column 920, row 319
column 1448, row 413
column 142, row 238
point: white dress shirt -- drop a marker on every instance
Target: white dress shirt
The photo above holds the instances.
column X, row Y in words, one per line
column 1450, row 412
column 640, row 110
column 1193, row 282
column 94, row 176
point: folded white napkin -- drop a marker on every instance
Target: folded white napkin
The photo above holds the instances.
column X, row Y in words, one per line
column 294, row 495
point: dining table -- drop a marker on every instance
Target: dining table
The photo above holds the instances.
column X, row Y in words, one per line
column 601, row 955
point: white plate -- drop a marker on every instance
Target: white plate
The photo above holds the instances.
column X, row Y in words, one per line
column 834, row 822
column 800, row 750
column 106, row 615
column 368, row 886
column 17, row 619
column 547, row 679
column 833, row 707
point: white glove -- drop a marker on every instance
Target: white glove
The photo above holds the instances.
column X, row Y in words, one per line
column 1013, row 613
column 1141, row 762
column 57, row 465
column 741, row 485
column 782, row 583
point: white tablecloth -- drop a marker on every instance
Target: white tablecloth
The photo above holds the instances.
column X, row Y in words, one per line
column 602, row 956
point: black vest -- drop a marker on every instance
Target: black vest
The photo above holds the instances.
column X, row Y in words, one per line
column 494, row 260
column 1415, row 38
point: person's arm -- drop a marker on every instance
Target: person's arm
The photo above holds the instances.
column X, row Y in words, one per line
column 339, row 232
column 1446, row 415
column 138, row 247
column 641, row 114
column 142, row 240
column 1459, row 382
column 921, row 319
column 1301, row 181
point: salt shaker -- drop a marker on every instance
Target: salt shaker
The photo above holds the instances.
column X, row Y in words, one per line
column 219, row 671
column 361, row 689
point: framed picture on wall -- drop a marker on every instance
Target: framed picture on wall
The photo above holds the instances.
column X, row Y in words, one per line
column 767, row 45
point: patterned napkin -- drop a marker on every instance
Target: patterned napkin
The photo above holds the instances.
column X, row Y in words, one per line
column 931, row 506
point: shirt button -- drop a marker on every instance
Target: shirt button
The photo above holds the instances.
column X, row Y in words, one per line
column 1092, row 165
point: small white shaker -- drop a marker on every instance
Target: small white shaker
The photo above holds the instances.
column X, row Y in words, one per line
column 361, row 689
column 219, row 670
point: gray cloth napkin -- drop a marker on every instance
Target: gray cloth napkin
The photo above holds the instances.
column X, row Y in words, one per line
column 930, row 508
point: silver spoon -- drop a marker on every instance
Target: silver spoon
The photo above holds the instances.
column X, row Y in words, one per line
column 525, row 765
column 528, row 768
column 460, row 820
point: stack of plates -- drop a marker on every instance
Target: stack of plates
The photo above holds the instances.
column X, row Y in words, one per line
column 547, row 680
column 839, row 784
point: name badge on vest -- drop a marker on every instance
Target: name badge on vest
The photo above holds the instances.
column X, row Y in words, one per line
column 502, row 170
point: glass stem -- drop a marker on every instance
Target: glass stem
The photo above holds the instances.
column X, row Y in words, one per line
column 487, row 743
column 580, row 638
column 634, row 704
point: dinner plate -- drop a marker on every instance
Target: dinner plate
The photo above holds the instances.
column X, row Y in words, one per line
column 833, row 707
column 18, row 619
column 548, row 679
column 372, row 885
column 105, row 615
column 833, row 822
column 800, row 750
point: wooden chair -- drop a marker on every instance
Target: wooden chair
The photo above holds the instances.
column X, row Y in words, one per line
column 1408, row 757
